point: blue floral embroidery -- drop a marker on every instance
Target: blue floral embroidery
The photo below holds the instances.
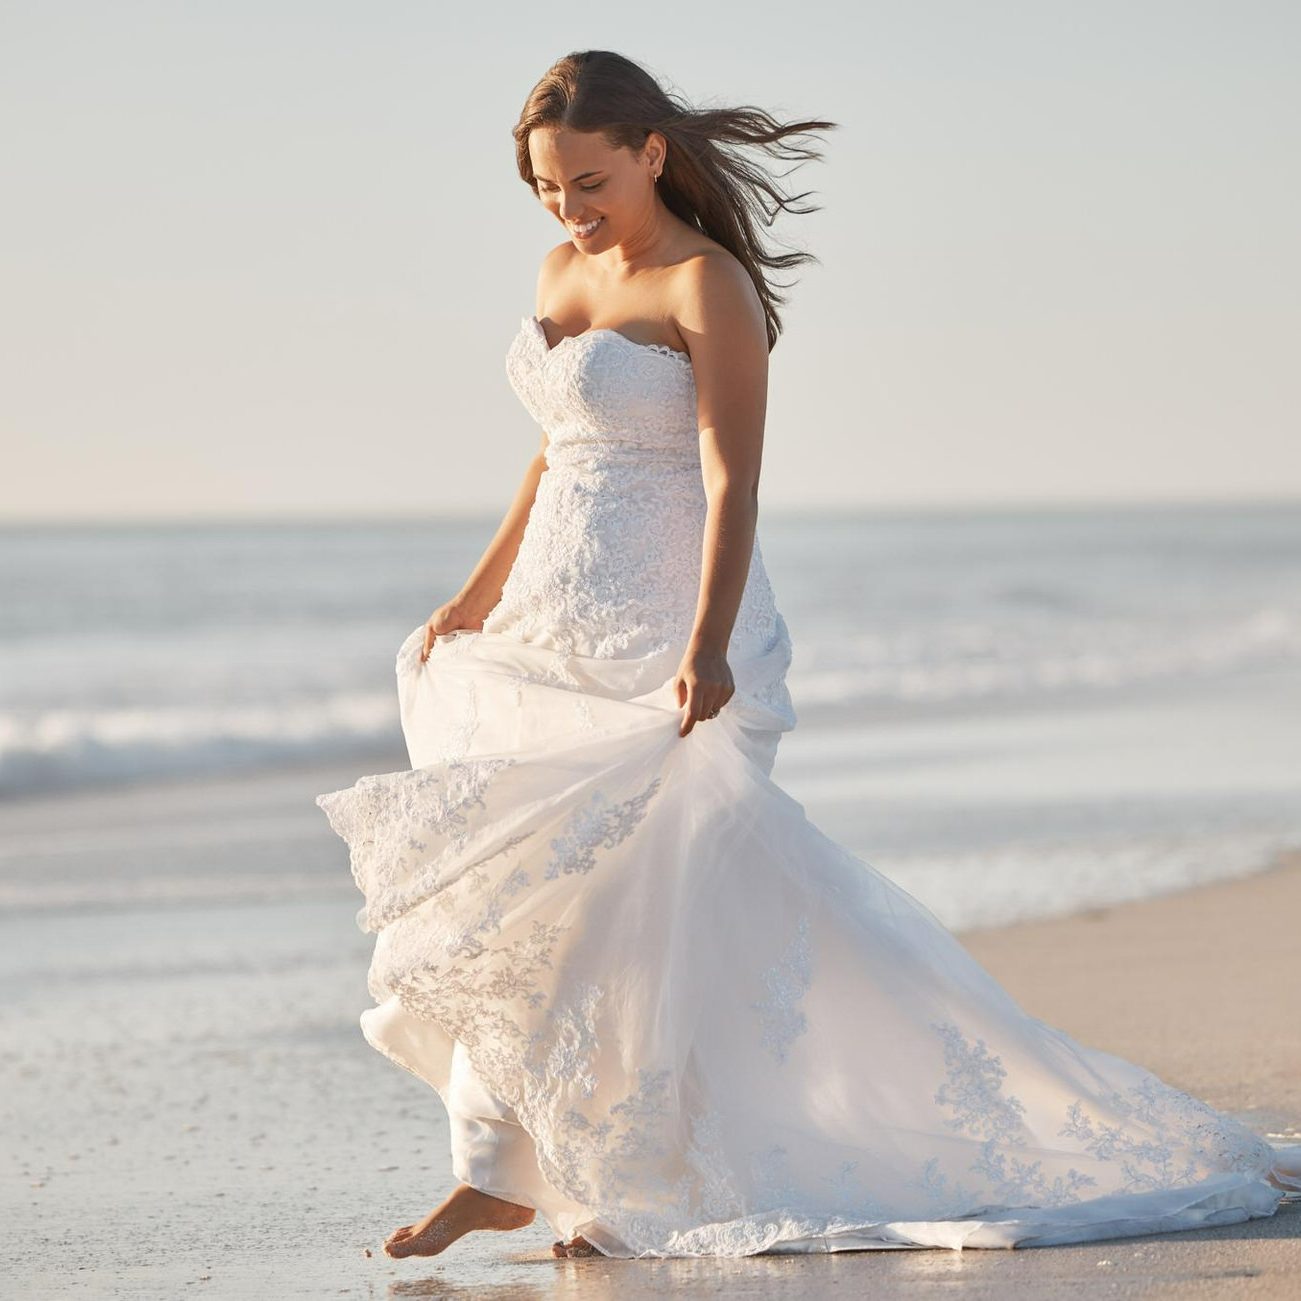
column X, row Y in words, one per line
column 598, row 823
column 772, row 1177
column 973, row 1088
column 787, row 981
column 1212, row 1140
column 1186, row 1140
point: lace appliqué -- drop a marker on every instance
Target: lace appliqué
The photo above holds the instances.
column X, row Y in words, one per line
column 973, row 1088
column 459, row 731
column 401, row 826
column 572, row 1043
column 1186, row 1140
column 1181, row 1124
column 466, row 942
column 787, row 981
column 716, row 1193
column 773, row 1183
column 598, row 823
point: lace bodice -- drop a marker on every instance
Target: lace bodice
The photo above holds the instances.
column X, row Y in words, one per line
column 610, row 560
column 599, row 393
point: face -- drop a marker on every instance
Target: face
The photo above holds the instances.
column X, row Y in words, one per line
column 600, row 194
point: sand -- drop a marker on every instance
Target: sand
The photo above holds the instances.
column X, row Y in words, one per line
column 1199, row 986
column 189, row 1107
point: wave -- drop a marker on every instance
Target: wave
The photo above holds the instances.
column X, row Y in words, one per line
column 981, row 661
column 64, row 749
column 988, row 661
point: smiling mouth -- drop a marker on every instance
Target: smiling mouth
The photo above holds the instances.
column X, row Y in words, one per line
column 587, row 230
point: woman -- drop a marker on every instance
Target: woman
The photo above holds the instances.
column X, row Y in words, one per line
column 660, row 1006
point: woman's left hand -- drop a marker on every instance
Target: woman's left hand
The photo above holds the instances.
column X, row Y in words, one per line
column 703, row 684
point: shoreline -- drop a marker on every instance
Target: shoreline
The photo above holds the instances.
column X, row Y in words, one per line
column 256, row 836
column 235, row 1080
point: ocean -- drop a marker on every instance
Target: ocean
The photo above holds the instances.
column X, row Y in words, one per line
column 1013, row 715
column 1013, row 712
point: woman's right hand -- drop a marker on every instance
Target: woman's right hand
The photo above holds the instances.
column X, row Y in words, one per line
column 449, row 617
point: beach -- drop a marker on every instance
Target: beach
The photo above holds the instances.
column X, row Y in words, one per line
column 1066, row 733
column 190, row 1107
column 1005, row 644
column 1193, row 985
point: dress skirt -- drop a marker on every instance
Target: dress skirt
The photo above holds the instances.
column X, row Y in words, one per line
column 668, row 1012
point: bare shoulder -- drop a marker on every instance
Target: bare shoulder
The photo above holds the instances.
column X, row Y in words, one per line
column 717, row 300
column 552, row 271
column 715, row 293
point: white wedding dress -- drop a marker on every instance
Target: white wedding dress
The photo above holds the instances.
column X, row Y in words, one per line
column 659, row 1004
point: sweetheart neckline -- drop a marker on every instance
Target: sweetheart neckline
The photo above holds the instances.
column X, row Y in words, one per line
column 662, row 348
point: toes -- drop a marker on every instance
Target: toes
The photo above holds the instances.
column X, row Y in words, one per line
column 404, row 1246
column 575, row 1247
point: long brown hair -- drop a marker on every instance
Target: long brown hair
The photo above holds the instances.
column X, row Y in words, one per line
column 707, row 180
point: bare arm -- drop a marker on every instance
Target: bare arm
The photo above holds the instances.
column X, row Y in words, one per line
column 723, row 322
column 482, row 589
column 729, row 354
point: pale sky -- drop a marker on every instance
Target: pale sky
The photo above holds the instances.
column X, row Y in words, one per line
column 266, row 258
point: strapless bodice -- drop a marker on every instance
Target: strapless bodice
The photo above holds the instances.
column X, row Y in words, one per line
column 600, row 395
column 609, row 564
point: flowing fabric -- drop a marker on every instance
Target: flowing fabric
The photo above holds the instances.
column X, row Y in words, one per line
column 659, row 1004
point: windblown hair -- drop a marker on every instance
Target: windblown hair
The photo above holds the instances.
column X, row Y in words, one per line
column 707, row 180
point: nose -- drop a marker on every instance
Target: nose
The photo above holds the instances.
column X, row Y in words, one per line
column 570, row 208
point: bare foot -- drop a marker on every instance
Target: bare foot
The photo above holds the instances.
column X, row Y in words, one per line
column 466, row 1209
column 578, row 1246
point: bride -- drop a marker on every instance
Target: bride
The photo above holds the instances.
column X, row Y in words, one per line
column 663, row 1009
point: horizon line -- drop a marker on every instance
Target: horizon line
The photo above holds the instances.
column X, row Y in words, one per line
column 289, row 517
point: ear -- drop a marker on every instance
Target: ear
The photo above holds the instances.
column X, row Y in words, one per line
column 655, row 150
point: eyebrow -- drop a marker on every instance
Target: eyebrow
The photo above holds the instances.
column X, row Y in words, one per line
column 573, row 180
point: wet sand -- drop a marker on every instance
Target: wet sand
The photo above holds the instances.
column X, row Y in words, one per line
column 189, row 1107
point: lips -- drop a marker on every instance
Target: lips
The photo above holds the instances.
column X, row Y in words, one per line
column 588, row 230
